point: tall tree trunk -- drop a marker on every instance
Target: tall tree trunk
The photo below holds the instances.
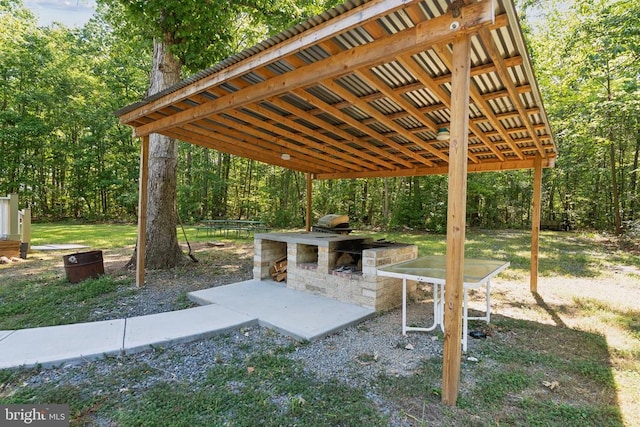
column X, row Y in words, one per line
column 635, row 197
column 245, row 203
column 162, row 249
column 612, row 155
column 614, row 186
column 301, row 189
column 385, row 204
column 205, row 209
column 188, row 172
column 364, row 214
column 226, row 171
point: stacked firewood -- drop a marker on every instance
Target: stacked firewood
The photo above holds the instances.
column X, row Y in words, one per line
column 278, row 269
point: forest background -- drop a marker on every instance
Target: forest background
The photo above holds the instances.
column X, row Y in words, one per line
column 64, row 152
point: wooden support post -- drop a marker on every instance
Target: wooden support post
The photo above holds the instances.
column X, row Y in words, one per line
column 309, row 204
column 142, row 211
column 25, row 230
column 535, row 222
column 456, row 218
column 14, row 233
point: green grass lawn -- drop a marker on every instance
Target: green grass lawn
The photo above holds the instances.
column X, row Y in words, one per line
column 582, row 331
column 59, row 302
column 100, row 236
column 573, row 254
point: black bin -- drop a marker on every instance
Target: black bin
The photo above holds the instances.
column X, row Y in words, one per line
column 24, row 248
column 83, row 265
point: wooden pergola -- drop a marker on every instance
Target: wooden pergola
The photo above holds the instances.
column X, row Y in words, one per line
column 370, row 89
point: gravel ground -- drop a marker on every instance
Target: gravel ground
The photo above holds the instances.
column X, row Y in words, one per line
column 356, row 355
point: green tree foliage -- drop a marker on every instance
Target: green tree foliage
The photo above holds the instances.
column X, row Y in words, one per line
column 202, row 33
column 587, row 56
column 62, row 149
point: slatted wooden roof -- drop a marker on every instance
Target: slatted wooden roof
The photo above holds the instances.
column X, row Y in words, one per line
column 362, row 90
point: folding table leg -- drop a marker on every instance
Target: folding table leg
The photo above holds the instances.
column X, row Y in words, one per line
column 438, row 310
column 488, row 300
column 404, row 306
column 465, row 320
column 465, row 313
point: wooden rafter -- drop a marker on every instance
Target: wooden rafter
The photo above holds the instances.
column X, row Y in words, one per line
column 482, row 104
column 356, row 125
column 372, row 112
column 492, row 50
column 437, row 90
column 346, row 144
column 328, row 146
column 281, row 101
column 364, row 93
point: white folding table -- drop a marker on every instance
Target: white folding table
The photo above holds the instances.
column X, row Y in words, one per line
column 432, row 269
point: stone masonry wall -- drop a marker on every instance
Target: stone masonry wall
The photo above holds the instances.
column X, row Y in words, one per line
column 265, row 252
column 384, row 293
column 311, row 269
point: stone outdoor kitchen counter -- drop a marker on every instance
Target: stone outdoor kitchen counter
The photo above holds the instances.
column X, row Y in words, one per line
column 313, row 266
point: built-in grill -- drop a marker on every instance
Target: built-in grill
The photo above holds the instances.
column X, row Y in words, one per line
column 333, row 223
column 314, row 265
column 350, row 259
column 349, row 251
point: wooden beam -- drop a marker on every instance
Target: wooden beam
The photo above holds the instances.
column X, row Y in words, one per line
column 375, row 81
column 224, row 143
column 485, row 69
column 309, row 202
column 267, row 149
column 337, row 147
column 493, row 166
column 306, row 134
column 303, row 148
column 419, row 73
column 142, row 211
column 25, row 232
column 14, row 223
column 456, row 218
column 427, row 33
column 444, row 79
column 535, row 223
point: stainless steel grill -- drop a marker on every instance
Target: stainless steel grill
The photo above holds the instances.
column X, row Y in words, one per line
column 333, row 223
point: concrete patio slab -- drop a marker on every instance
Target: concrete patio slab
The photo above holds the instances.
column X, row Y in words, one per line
column 181, row 326
column 290, row 312
column 294, row 313
column 4, row 334
column 54, row 345
column 57, row 247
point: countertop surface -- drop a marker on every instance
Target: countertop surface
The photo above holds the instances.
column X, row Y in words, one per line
column 310, row 238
